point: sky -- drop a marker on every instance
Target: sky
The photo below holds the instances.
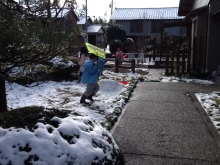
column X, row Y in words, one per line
column 51, row 147
column 101, row 7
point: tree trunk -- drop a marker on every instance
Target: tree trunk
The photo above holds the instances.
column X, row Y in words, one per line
column 3, row 102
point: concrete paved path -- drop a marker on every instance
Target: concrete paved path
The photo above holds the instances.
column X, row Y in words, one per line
column 164, row 124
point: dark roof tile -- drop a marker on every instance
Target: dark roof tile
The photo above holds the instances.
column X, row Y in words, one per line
column 145, row 13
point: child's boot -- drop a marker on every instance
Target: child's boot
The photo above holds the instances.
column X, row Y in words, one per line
column 83, row 99
column 90, row 98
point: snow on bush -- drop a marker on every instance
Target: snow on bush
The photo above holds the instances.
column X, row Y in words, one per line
column 71, row 140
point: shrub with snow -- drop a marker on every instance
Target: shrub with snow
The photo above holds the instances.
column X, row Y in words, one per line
column 59, row 141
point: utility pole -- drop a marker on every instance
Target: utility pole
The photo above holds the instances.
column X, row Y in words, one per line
column 86, row 36
column 111, row 7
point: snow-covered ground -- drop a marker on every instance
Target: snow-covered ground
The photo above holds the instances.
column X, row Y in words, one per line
column 66, row 95
column 90, row 141
column 211, row 104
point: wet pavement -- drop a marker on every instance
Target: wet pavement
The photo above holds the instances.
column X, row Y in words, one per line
column 163, row 123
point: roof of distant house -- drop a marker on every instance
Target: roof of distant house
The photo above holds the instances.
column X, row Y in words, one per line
column 58, row 12
column 82, row 20
column 63, row 12
column 95, row 29
column 145, row 13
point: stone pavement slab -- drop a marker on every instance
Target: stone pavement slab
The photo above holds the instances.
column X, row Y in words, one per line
column 167, row 139
column 162, row 125
column 160, row 95
column 173, row 86
column 155, row 160
column 154, row 110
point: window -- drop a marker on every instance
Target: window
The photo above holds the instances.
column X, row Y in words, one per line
column 136, row 26
column 156, row 26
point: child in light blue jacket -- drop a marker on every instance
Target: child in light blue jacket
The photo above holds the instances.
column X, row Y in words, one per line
column 90, row 77
column 101, row 63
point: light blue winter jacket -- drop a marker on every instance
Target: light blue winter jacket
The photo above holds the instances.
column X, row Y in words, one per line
column 90, row 74
column 101, row 62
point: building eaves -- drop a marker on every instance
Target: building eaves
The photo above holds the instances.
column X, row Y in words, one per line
column 195, row 12
column 185, row 6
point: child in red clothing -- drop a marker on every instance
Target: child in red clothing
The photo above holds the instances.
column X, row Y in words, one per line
column 119, row 55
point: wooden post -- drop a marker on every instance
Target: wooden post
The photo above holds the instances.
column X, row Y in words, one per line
column 149, row 58
column 172, row 62
column 178, row 62
column 133, row 65
column 188, row 55
column 195, row 54
column 161, row 41
column 116, row 65
column 3, row 100
column 167, row 63
column 183, row 62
